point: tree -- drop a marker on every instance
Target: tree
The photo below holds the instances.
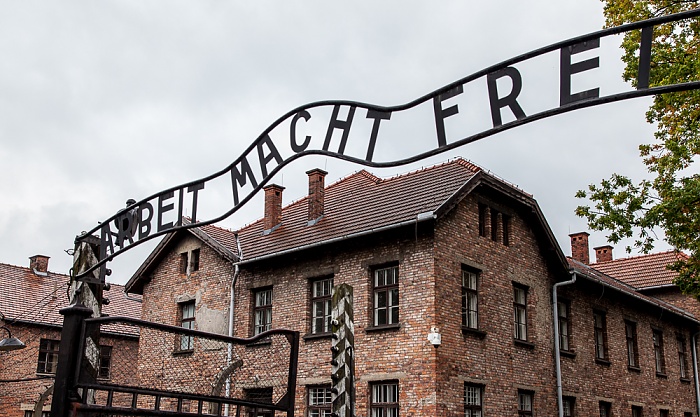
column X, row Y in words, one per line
column 670, row 202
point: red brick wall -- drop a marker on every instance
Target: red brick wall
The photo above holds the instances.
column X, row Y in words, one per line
column 591, row 381
column 402, row 354
column 15, row 397
column 160, row 365
column 492, row 358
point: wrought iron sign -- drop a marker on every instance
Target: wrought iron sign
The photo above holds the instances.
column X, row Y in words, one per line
column 487, row 102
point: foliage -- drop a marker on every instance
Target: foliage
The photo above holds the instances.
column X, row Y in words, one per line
column 670, row 202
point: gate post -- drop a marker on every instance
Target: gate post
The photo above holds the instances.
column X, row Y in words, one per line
column 69, row 352
column 342, row 346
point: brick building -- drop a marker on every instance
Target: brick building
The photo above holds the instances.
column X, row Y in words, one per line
column 448, row 248
column 30, row 301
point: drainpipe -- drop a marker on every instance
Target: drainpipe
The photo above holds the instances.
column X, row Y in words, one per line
column 694, row 351
column 229, row 354
column 557, row 354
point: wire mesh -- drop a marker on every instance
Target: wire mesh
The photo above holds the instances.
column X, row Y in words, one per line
column 173, row 369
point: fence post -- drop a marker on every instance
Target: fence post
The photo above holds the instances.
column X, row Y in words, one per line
column 69, row 351
column 342, row 347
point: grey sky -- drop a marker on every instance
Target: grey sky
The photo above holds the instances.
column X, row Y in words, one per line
column 105, row 101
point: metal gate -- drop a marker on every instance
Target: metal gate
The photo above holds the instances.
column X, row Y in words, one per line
column 173, row 372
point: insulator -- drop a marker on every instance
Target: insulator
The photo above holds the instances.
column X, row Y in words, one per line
column 335, row 349
column 334, row 362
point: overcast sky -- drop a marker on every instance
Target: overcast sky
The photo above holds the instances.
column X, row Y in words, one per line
column 105, row 101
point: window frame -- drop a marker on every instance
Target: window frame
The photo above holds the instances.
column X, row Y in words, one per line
column 520, row 327
column 637, row 411
column 470, row 306
column 184, row 261
column 187, row 321
column 495, row 229
column 474, row 410
column 505, row 228
column 323, row 409
column 682, row 358
column 48, row 356
column 256, row 394
column 379, row 408
column 104, row 368
column 264, row 309
column 600, row 336
column 657, row 336
column 605, row 408
column 195, row 260
column 326, row 300
column 564, row 337
column 483, row 209
column 522, row 411
column 571, row 402
column 387, row 290
column 632, row 345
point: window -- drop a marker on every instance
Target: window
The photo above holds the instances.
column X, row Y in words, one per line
column 470, row 300
column 600, row 336
column 637, row 411
column 525, row 403
column 682, row 357
column 473, row 397
column 259, row 395
column 686, row 414
column 658, row 339
column 183, row 263
column 605, row 409
column 103, row 371
column 563, row 310
column 568, row 405
column 194, row 262
column 482, row 220
column 319, row 401
column 384, row 399
column 321, row 291
column 48, row 356
column 386, row 296
column 520, row 309
column 30, row 413
column 494, row 225
column 187, row 322
column 632, row 350
column 263, row 311
column 505, row 222
column 663, row 413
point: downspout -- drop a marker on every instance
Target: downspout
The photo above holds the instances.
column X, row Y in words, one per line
column 694, row 351
column 229, row 354
column 557, row 354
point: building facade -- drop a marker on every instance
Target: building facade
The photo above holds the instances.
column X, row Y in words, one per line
column 30, row 301
column 448, row 250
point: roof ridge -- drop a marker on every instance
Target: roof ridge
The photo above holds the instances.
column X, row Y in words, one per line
column 644, row 255
column 28, row 269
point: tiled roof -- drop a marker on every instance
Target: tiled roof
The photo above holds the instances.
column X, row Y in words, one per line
column 31, row 298
column 642, row 271
column 359, row 203
column 588, row 272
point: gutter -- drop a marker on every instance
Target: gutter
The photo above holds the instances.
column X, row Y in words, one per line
column 694, row 351
column 231, row 305
column 557, row 353
column 419, row 218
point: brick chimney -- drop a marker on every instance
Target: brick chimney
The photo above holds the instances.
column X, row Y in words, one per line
column 316, row 193
column 273, row 206
column 579, row 247
column 603, row 253
column 39, row 263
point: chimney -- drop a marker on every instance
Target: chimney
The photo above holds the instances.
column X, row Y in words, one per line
column 603, row 253
column 39, row 264
column 579, row 247
column 316, row 193
column 273, row 207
